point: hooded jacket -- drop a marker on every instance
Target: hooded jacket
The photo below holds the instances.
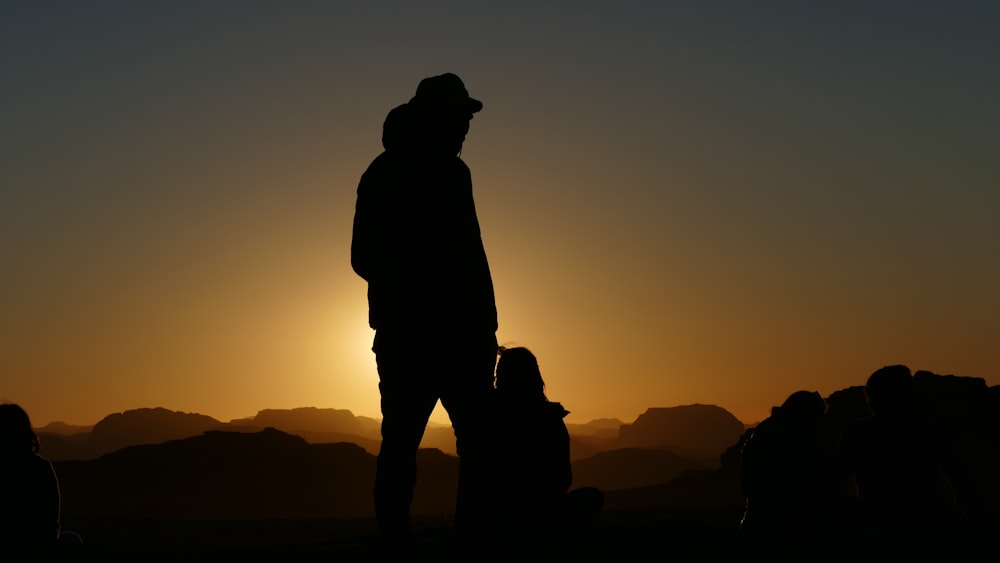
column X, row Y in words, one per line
column 416, row 237
column 533, row 465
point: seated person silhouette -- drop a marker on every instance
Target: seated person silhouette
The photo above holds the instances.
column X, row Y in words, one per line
column 29, row 490
column 906, row 473
column 533, row 469
column 785, row 475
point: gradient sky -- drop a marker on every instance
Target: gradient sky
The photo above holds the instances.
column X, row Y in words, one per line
column 698, row 202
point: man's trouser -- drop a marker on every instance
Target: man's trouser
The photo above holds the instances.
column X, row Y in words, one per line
column 414, row 374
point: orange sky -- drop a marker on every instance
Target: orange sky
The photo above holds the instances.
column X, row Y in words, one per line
column 680, row 204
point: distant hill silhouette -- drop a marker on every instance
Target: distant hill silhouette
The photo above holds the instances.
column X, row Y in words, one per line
column 273, row 474
column 439, row 437
column 317, row 426
column 57, row 446
column 631, row 467
column 659, row 428
column 157, row 425
column 669, row 490
column 594, row 437
column 235, row 475
column 700, row 431
column 582, row 447
column 59, row 427
column 312, row 419
column 146, row 426
column 696, row 488
column 600, row 428
column 156, row 452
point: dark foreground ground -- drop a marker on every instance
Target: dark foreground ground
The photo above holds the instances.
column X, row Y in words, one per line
column 695, row 534
column 706, row 535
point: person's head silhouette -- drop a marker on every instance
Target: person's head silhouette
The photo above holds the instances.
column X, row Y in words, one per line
column 397, row 130
column 16, row 435
column 518, row 376
column 440, row 112
column 803, row 408
column 891, row 391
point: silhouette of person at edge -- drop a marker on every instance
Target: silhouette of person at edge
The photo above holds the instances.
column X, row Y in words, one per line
column 786, row 477
column 417, row 243
column 536, row 508
column 914, row 490
column 29, row 491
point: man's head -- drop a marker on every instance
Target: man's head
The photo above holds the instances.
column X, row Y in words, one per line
column 445, row 92
column 443, row 108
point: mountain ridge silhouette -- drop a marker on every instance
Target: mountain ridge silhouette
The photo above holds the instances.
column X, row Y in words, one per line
column 227, row 478
column 323, row 425
column 226, row 474
column 676, row 439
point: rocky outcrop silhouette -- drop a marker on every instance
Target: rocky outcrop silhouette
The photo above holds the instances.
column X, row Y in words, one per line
column 697, row 431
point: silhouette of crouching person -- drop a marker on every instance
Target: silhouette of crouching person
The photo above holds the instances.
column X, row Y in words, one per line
column 535, row 506
column 786, row 479
column 29, row 492
column 916, row 495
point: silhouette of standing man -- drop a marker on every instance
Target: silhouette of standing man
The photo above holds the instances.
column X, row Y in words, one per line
column 417, row 243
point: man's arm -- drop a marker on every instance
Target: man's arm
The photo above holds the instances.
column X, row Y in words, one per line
column 364, row 246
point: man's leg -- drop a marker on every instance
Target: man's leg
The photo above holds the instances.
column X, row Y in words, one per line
column 407, row 403
column 467, row 395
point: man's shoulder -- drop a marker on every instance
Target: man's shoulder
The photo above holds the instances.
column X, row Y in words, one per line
column 382, row 162
column 384, row 168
